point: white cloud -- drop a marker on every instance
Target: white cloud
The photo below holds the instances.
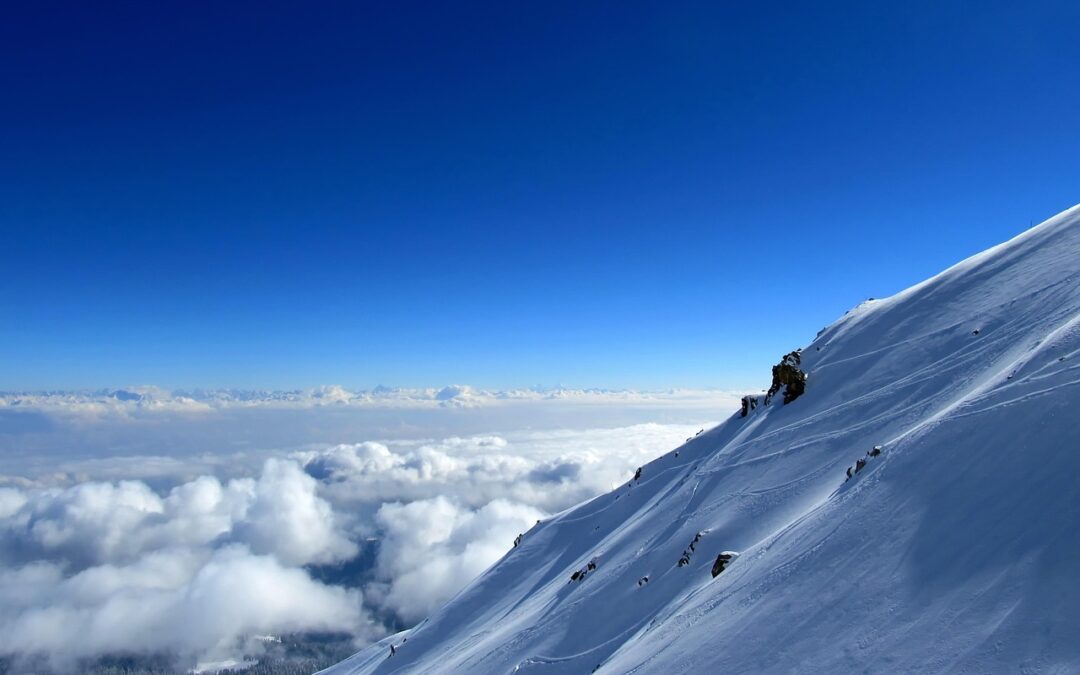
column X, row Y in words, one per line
column 288, row 519
column 144, row 400
column 432, row 548
column 549, row 470
column 11, row 500
column 232, row 515
column 178, row 600
column 85, row 524
column 99, row 567
column 92, row 523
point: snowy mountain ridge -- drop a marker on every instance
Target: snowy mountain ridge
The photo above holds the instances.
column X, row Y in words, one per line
column 952, row 546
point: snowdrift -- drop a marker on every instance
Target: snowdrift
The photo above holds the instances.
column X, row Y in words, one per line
column 955, row 548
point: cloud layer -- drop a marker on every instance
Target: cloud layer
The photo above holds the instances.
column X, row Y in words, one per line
column 94, row 523
column 111, row 567
column 433, row 547
column 194, row 554
column 149, row 399
column 173, row 600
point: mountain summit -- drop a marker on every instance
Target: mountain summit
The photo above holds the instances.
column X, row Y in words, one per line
column 914, row 508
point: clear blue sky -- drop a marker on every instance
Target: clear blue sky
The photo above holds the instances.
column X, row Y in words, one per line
column 624, row 194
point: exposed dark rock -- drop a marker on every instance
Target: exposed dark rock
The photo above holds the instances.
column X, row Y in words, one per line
column 748, row 404
column 788, row 376
column 722, row 561
column 685, row 559
column 581, row 573
column 860, row 463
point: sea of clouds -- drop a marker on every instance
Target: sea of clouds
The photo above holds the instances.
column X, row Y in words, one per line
column 143, row 521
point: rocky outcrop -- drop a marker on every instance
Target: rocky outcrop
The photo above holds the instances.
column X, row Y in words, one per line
column 684, row 560
column 748, row 404
column 581, row 573
column 860, row 463
column 788, row 376
column 722, row 561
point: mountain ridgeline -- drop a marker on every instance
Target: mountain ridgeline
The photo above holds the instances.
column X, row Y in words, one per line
column 904, row 499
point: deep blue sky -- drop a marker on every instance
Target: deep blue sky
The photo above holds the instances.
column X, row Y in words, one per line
column 504, row 194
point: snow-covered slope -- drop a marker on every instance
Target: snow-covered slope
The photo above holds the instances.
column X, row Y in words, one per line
column 957, row 549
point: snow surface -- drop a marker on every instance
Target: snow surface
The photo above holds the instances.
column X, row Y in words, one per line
column 955, row 550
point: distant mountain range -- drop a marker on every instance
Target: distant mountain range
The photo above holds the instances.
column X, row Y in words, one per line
column 154, row 398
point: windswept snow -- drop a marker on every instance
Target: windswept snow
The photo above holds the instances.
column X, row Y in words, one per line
column 953, row 550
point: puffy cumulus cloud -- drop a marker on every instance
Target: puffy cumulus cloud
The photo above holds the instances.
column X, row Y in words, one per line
column 92, row 523
column 432, row 548
column 174, row 600
column 373, row 473
column 549, row 470
column 341, row 461
column 287, row 518
column 11, row 500
column 104, row 567
column 444, row 510
column 257, row 544
column 83, row 525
